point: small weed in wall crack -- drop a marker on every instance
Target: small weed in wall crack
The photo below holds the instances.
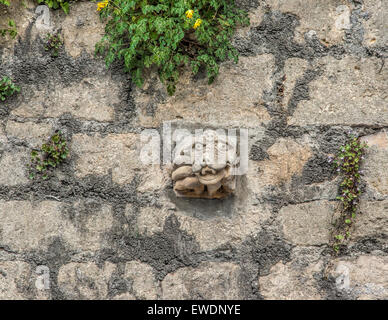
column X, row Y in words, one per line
column 10, row 30
column 7, row 88
column 51, row 154
column 53, row 43
column 348, row 163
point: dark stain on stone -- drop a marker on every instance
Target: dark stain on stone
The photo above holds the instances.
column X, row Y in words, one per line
column 257, row 153
column 203, row 209
column 165, row 252
column 317, row 169
column 56, row 255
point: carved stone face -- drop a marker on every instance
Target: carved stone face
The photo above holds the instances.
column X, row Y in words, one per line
column 203, row 166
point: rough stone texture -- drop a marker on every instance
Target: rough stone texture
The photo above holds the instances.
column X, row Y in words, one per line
column 13, row 276
column 307, row 223
column 92, row 99
column 115, row 153
column 234, row 99
column 33, row 226
column 210, row 281
column 373, row 220
column 34, row 134
column 328, row 19
column 376, row 164
column 154, row 178
column 144, row 284
column 286, row 159
column 376, row 24
column 108, row 226
column 13, row 168
column 85, row 280
column 210, row 232
column 83, row 20
column 286, row 283
column 350, row 91
column 362, row 278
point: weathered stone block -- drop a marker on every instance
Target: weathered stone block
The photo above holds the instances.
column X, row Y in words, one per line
column 350, row 91
column 99, row 155
column 307, row 223
column 82, row 29
column 144, row 285
column 211, row 232
column 34, row 134
column 85, row 280
column 372, row 221
column 286, row 159
column 327, row 18
column 376, row 163
column 376, row 25
column 363, row 278
column 33, row 226
column 13, row 168
column 153, row 178
column 91, row 99
column 234, row 99
column 211, row 280
column 14, row 277
column 287, row 283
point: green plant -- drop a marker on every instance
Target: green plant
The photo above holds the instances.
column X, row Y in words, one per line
column 11, row 30
column 348, row 163
column 168, row 35
column 51, row 154
column 7, row 88
column 55, row 4
column 53, row 43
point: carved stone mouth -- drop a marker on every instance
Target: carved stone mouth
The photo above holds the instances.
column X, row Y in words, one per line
column 211, row 178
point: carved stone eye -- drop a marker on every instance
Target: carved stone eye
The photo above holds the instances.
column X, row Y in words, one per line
column 198, row 147
column 222, row 147
column 209, row 136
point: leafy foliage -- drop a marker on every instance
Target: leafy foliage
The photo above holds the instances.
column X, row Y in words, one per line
column 168, row 35
column 53, row 43
column 11, row 29
column 7, row 88
column 56, row 4
column 49, row 156
column 348, row 162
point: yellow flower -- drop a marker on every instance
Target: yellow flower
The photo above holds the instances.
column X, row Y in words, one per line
column 189, row 14
column 102, row 5
column 197, row 23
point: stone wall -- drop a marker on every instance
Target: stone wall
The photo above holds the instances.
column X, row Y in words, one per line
column 109, row 227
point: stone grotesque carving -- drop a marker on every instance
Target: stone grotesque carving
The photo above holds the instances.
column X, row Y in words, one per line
column 204, row 166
